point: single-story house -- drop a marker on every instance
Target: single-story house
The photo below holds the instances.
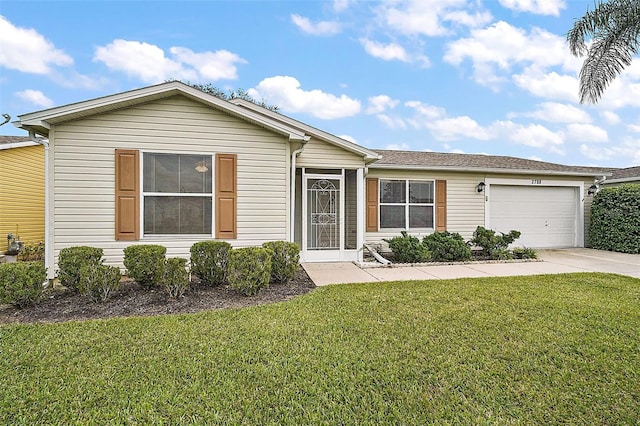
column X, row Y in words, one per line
column 620, row 176
column 171, row 165
column 21, row 190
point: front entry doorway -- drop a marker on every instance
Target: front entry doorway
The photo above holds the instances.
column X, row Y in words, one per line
column 323, row 213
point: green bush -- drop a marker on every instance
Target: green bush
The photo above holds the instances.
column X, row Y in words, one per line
column 524, row 253
column 98, row 281
column 72, row 259
column 209, row 261
column 250, row 269
column 492, row 244
column 21, row 283
column 31, row 252
column 408, row 249
column 615, row 219
column 285, row 260
column 447, row 247
column 145, row 263
column 176, row 277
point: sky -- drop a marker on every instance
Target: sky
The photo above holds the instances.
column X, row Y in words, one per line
column 464, row 76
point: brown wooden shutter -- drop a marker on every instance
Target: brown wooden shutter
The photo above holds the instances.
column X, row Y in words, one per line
column 372, row 205
column 127, row 195
column 441, row 205
column 226, row 196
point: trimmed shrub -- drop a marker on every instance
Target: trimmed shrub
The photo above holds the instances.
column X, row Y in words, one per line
column 408, row 249
column 21, row 283
column 31, row 252
column 524, row 253
column 210, row 260
column 145, row 263
column 615, row 219
column 285, row 260
column 447, row 247
column 250, row 269
column 176, row 277
column 72, row 259
column 492, row 244
column 98, row 281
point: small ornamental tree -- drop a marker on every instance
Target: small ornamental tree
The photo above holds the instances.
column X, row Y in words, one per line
column 285, row 260
column 615, row 219
column 72, row 259
column 209, row 261
column 493, row 245
column 447, row 247
column 408, row 249
column 250, row 269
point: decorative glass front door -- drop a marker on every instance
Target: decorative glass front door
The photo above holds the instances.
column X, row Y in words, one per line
column 323, row 214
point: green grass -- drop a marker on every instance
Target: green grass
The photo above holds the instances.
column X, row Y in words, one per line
column 524, row 350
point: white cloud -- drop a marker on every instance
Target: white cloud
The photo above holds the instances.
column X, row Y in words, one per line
column 218, row 65
column 380, row 103
column 499, row 47
column 629, row 150
column 458, row 127
column 535, row 135
column 586, row 133
column 610, row 117
column 149, row 63
column 341, row 5
column 26, row 50
column 431, row 18
column 550, row 85
column 388, row 52
column 556, row 113
column 540, row 7
column 425, row 110
column 285, row 92
column 321, row 28
column 35, row 97
column 634, row 128
column 392, row 122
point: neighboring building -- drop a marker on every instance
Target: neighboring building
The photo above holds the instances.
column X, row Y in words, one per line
column 21, row 190
column 171, row 165
column 620, row 176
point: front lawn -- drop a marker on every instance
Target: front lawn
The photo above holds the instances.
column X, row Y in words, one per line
column 529, row 350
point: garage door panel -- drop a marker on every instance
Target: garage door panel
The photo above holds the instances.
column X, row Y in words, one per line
column 546, row 216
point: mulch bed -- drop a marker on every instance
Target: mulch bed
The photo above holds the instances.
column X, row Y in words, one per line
column 59, row 304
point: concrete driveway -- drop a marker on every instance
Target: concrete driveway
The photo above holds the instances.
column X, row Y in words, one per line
column 552, row 262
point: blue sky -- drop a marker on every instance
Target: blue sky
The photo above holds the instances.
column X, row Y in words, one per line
column 472, row 76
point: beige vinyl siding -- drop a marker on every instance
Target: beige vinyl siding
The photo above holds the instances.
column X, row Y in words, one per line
column 322, row 155
column 465, row 207
column 84, row 204
column 22, row 194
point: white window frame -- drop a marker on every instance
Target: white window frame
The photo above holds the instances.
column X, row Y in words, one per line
column 407, row 203
column 144, row 194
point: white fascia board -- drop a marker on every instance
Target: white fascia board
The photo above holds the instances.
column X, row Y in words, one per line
column 483, row 170
column 621, row 180
column 320, row 134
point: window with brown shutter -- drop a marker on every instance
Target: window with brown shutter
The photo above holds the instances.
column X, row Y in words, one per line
column 441, row 205
column 127, row 220
column 372, row 205
column 226, row 196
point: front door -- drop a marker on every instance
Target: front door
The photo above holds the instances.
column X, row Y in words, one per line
column 323, row 230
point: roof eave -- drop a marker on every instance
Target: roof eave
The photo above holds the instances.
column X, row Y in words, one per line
column 488, row 170
column 622, row 180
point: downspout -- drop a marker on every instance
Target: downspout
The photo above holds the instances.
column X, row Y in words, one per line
column 47, row 240
column 292, row 198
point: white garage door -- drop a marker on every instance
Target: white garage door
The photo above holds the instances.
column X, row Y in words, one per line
column 546, row 216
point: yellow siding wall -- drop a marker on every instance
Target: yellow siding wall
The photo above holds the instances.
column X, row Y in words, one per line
column 22, row 194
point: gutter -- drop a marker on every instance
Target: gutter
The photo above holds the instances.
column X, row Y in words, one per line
column 292, row 222
column 47, row 239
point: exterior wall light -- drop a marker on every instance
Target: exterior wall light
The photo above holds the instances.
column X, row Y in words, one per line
column 592, row 189
column 480, row 187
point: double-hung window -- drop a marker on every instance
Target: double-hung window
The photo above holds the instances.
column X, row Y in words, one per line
column 177, row 194
column 406, row 204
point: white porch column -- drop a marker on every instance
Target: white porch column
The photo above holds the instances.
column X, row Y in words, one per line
column 360, row 213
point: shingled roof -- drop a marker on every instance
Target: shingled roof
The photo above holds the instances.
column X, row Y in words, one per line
column 478, row 162
column 630, row 173
column 13, row 139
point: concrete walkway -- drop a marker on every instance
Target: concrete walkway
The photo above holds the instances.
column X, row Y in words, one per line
column 553, row 262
